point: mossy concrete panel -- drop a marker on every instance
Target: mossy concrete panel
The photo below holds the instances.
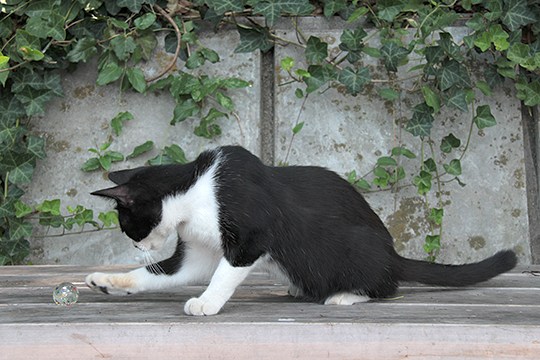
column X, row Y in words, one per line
column 345, row 133
column 81, row 120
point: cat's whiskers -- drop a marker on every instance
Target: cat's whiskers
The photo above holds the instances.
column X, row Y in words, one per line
column 152, row 264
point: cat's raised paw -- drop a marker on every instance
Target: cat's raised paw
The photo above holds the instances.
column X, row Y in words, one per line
column 113, row 284
column 201, row 307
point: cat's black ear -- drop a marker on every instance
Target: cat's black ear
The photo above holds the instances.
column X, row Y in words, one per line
column 123, row 176
column 119, row 193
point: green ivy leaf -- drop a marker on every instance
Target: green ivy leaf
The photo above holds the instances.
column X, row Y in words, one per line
column 484, row 88
column 119, row 24
column 90, row 165
column 141, row 149
column 357, row 13
column 298, row 127
column 388, row 94
column 353, row 80
column 389, row 10
column 432, row 99
column 34, row 101
column 484, row 118
column 287, row 63
column 184, row 84
column 4, row 64
column 371, row 51
column 210, row 55
column 123, row 46
column 117, row 122
column 518, row 53
column 400, row 150
column 333, row 6
column 316, row 50
column 318, row 76
column 458, row 100
column 36, row 146
column 146, row 44
column 207, row 128
column 352, row 40
column 234, row 83
column 195, row 60
column 19, row 230
column 393, row 55
column 51, row 207
column 432, row 243
column 517, row 14
column 22, row 174
column 22, row 209
column 56, row 27
column 423, row 182
column 136, row 79
column 133, row 5
column 31, row 54
column 421, row 122
column 453, row 168
column 529, row 92
column 183, row 110
column 450, row 142
column 453, row 74
column 429, row 165
column 108, row 218
column 272, row 9
column 386, row 161
column 253, row 39
column 176, row 154
column 436, row 215
column 108, row 73
column 222, row 6
column 145, row 21
column 225, row 101
column 499, row 37
column 105, row 162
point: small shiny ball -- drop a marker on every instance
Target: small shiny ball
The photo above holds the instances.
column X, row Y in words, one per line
column 65, row 294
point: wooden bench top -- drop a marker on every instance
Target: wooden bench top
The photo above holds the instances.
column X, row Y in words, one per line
column 496, row 319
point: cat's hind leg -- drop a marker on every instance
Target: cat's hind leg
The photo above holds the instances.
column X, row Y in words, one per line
column 295, row 291
column 345, row 298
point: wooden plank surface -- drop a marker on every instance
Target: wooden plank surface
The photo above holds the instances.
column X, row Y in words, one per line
column 496, row 319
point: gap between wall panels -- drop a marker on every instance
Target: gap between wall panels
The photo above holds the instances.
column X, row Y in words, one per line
column 267, row 130
column 531, row 140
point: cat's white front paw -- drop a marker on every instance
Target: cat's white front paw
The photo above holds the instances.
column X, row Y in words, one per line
column 114, row 284
column 201, row 307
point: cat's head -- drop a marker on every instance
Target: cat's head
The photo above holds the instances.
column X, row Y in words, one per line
column 138, row 202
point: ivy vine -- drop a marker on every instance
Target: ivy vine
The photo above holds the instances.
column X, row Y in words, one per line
column 41, row 38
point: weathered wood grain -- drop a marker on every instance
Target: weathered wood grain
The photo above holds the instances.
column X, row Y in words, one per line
column 499, row 319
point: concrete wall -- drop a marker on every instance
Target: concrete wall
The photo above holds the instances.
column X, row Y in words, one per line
column 341, row 132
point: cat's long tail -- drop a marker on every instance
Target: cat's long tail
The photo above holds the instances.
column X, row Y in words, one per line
column 454, row 275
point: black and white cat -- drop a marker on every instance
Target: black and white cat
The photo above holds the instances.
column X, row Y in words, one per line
column 232, row 214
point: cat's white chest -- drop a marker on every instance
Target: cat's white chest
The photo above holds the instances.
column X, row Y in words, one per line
column 196, row 213
column 202, row 229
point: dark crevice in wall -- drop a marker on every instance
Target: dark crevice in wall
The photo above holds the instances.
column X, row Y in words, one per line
column 267, row 131
column 530, row 118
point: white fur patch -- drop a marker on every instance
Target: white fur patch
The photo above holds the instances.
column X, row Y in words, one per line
column 222, row 286
column 345, row 298
column 194, row 215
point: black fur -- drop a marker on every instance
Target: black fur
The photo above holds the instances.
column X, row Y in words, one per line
column 314, row 224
